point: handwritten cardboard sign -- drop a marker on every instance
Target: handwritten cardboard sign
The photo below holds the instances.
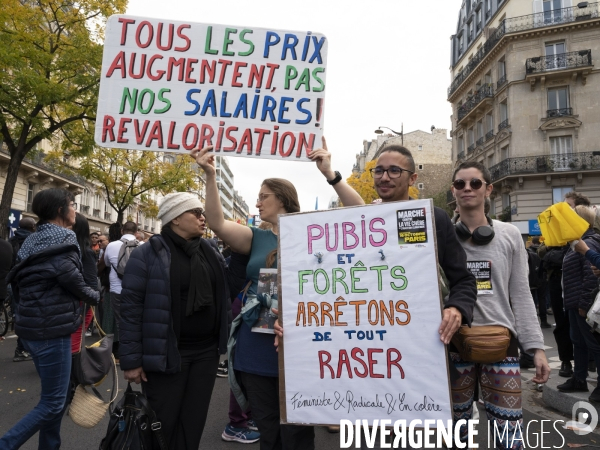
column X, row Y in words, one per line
column 173, row 86
column 361, row 326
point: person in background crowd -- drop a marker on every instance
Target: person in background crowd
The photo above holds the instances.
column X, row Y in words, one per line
column 139, row 235
column 26, row 227
column 175, row 316
column 90, row 274
column 579, row 283
column 576, row 199
column 552, row 261
column 111, row 259
column 6, row 259
column 109, row 324
column 592, row 256
column 94, row 241
column 507, row 303
column 48, row 285
column 537, row 281
column 102, row 243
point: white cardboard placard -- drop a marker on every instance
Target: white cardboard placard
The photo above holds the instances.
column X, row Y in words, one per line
column 172, row 86
column 399, row 369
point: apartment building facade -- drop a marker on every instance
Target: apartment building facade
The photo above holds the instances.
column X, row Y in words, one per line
column 525, row 99
column 432, row 153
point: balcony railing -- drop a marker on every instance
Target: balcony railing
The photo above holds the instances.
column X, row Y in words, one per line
column 489, row 135
column 559, row 112
column 488, row 13
column 96, row 213
column 107, row 215
column 501, row 82
column 504, row 124
column 470, row 148
column 85, row 209
column 472, row 102
column 480, row 141
column 546, row 164
column 460, row 156
column 522, row 23
column 568, row 60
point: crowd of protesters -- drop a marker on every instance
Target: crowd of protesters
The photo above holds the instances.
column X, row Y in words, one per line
column 176, row 302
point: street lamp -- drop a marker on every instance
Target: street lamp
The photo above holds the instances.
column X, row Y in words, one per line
column 401, row 133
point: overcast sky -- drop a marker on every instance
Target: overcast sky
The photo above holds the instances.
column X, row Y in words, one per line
column 387, row 64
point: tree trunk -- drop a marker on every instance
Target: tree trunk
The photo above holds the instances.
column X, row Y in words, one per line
column 12, row 175
column 120, row 216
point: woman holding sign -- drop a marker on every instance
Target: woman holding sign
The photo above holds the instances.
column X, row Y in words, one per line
column 255, row 360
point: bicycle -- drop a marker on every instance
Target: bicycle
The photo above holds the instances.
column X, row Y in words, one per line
column 6, row 317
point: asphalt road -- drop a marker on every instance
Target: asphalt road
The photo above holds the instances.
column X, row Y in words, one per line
column 20, row 390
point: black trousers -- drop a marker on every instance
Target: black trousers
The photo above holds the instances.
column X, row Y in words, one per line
column 181, row 400
column 562, row 330
column 263, row 395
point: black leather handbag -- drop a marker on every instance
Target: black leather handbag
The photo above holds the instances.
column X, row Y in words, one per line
column 133, row 425
column 93, row 363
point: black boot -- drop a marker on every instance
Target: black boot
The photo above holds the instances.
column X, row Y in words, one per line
column 566, row 370
column 573, row 385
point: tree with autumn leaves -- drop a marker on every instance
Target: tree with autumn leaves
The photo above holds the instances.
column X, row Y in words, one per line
column 363, row 184
column 50, row 62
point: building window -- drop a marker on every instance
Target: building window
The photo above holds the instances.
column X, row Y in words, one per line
column 489, row 122
column 480, row 129
column 169, row 158
column 461, row 144
column 552, row 11
column 420, row 166
column 558, row 193
column 503, row 111
column 561, row 148
column 554, row 60
column 420, row 186
column 492, row 207
column 558, row 102
column 505, row 201
column 30, row 189
column 490, row 161
column 504, row 153
column 420, row 147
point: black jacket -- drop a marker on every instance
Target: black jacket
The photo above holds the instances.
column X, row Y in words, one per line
column 578, row 279
column 47, row 287
column 147, row 338
column 453, row 260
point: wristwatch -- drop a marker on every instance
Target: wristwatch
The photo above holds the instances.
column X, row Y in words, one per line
column 336, row 180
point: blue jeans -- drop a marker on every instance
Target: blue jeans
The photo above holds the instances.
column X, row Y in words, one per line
column 52, row 360
column 584, row 344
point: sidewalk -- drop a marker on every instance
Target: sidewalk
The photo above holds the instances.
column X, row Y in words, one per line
column 563, row 401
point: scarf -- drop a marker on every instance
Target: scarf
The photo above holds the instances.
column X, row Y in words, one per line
column 201, row 292
column 47, row 234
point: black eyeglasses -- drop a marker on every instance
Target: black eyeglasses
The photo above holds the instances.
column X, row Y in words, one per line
column 198, row 212
column 475, row 184
column 74, row 205
column 392, row 171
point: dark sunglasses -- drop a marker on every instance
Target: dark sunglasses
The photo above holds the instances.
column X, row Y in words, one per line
column 475, row 183
column 198, row 212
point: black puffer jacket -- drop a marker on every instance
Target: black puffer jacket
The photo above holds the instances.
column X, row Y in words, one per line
column 147, row 338
column 578, row 279
column 48, row 287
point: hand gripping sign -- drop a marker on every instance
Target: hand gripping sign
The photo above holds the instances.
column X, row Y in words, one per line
column 361, row 307
column 173, row 86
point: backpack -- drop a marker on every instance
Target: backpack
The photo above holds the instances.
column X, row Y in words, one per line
column 124, row 254
column 554, row 258
column 534, row 262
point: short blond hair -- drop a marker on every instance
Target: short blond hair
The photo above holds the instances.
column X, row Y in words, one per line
column 586, row 213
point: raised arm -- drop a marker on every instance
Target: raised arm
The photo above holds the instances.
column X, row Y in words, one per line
column 239, row 237
column 347, row 195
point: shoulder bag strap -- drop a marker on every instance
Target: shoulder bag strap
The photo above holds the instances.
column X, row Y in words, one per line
column 244, row 291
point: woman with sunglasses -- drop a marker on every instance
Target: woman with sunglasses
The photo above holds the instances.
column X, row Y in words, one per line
column 48, row 285
column 255, row 362
column 497, row 257
column 175, row 313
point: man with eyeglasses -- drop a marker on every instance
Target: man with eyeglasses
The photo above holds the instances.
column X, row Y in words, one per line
column 392, row 176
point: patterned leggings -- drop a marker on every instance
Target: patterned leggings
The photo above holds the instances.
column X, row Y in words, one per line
column 500, row 390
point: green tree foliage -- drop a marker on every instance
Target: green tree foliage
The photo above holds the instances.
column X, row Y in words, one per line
column 126, row 175
column 50, row 61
